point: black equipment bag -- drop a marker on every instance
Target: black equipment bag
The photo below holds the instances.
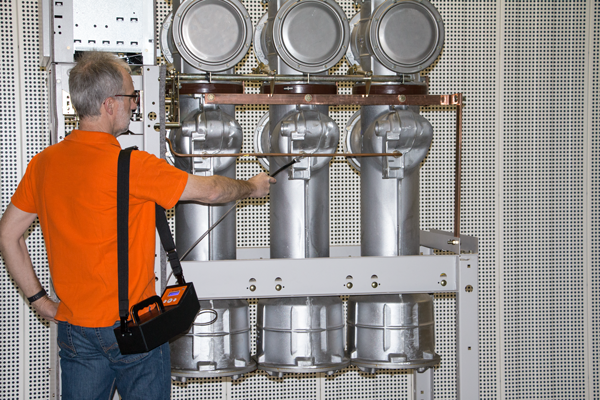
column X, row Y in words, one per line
column 155, row 320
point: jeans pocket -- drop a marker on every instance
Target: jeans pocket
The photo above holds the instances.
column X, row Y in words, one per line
column 110, row 346
column 65, row 340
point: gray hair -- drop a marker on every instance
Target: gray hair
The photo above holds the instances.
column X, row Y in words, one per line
column 95, row 77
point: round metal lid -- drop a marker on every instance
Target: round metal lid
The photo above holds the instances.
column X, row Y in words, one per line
column 212, row 35
column 311, row 35
column 351, row 59
column 261, row 54
column 261, row 139
column 406, row 35
column 352, row 139
column 166, row 38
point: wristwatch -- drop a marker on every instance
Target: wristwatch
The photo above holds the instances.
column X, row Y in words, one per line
column 36, row 296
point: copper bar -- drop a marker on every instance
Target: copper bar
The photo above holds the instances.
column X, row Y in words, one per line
column 324, row 99
column 458, row 169
column 281, row 154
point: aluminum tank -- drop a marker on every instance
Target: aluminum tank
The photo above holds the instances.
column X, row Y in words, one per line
column 206, row 129
column 389, row 38
column 391, row 331
column 218, row 349
column 304, row 334
column 194, row 41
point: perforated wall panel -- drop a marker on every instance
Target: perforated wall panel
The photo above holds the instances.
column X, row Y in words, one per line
column 595, row 203
column 11, row 309
column 543, row 293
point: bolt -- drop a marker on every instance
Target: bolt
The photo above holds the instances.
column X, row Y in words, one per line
column 349, row 285
column 308, row 98
column 252, row 288
column 402, row 98
column 374, row 285
column 210, row 97
column 278, row 287
column 443, row 283
column 453, row 241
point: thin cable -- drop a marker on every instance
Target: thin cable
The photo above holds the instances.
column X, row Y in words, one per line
column 295, row 160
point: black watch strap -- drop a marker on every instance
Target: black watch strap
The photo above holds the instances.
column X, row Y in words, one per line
column 37, row 296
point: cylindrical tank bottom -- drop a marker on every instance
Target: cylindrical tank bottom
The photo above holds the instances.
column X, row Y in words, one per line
column 301, row 334
column 391, row 332
column 218, row 349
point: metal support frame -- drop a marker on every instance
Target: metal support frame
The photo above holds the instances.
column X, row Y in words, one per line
column 266, row 278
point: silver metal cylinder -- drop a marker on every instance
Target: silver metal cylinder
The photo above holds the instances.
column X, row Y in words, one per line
column 209, row 129
column 391, row 331
column 218, row 349
column 222, row 348
column 304, row 334
column 390, row 185
column 300, row 198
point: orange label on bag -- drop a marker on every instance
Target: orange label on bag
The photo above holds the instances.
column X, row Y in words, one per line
column 172, row 295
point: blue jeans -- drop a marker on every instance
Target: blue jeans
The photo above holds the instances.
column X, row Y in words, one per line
column 93, row 367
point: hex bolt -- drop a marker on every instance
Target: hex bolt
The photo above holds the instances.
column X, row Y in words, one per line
column 443, row 283
column 252, row 288
column 374, row 285
column 278, row 287
column 349, row 285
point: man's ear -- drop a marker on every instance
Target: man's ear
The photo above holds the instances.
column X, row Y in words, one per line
column 109, row 105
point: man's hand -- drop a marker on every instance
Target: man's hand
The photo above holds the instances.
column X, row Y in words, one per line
column 46, row 308
column 261, row 184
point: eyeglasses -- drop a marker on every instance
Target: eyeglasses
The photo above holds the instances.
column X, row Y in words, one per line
column 135, row 96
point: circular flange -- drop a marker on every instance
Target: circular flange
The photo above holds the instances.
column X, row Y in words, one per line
column 280, row 369
column 311, row 35
column 371, row 365
column 259, row 52
column 406, row 36
column 261, row 139
column 212, row 35
column 207, row 87
column 300, row 88
column 352, row 139
column 180, row 373
column 391, row 88
column 350, row 58
column 166, row 38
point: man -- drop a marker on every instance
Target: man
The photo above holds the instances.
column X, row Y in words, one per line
column 71, row 187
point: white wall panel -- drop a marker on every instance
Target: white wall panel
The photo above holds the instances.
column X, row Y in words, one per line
column 543, row 106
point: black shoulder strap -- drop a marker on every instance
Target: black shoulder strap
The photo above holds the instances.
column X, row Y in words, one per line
column 123, row 236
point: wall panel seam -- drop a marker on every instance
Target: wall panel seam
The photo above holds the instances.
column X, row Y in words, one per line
column 587, row 202
column 499, row 201
column 21, row 166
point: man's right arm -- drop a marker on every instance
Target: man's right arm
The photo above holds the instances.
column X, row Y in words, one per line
column 13, row 225
column 218, row 189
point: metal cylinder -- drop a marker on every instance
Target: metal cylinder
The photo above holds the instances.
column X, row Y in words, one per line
column 391, row 332
column 206, row 129
column 390, row 185
column 218, row 349
column 300, row 198
column 222, row 348
column 303, row 334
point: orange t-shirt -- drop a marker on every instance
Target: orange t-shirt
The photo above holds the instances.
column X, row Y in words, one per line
column 72, row 187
